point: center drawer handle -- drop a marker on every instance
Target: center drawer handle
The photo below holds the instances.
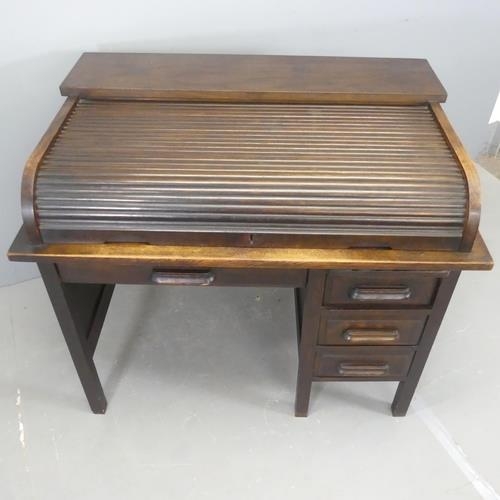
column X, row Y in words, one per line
column 363, row 370
column 361, row 335
column 183, row 278
column 380, row 293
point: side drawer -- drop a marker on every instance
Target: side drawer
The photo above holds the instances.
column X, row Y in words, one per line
column 149, row 274
column 371, row 327
column 363, row 363
column 382, row 288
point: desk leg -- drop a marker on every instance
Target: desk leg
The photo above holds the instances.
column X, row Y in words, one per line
column 310, row 318
column 80, row 310
column 406, row 389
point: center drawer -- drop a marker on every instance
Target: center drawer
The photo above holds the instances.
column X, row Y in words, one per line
column 90, row 272
column 371, row 326
column 381, row 288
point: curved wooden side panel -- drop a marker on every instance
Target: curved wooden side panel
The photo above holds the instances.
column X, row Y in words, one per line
column 31, row 170
column 473, row 208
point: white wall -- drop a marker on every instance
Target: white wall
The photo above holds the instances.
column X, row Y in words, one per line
column 40, row 41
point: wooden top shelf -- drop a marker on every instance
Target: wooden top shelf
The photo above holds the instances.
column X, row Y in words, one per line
column 253, row 78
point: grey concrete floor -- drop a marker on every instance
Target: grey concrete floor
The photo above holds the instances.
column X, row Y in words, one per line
column 201, row 384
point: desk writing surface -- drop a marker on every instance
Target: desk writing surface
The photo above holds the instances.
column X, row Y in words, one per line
column 236, row 257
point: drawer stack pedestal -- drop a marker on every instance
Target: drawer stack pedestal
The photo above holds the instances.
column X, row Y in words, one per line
column 369, row 326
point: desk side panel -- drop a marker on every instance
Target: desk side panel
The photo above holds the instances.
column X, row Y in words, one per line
column 30, row 173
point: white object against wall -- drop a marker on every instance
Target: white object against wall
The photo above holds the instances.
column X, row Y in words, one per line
column 40, row 41
column 495, row 114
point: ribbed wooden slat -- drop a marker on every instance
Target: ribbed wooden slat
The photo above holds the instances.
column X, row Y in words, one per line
column 280, row 169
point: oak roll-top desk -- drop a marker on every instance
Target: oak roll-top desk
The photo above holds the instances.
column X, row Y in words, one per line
column 338, row 177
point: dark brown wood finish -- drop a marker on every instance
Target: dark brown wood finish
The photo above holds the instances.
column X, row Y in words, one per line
column 308, row 337
column 157, row 274
column 338, row 177
column 251, row 175
column 473, row 208
column 80, row 310
column 124, row 254
column 298, row 295
column 99, row 315
column 248, row 240
column 253, row 78
column 240, row 174
column 365, row 363
column 30, row 173
column 381, row 288
column 371, row 326
column 407, row 388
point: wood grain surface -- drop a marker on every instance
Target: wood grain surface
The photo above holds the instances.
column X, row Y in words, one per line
column 473, row 209
column 253, row 78
column 231, row 257
column 30, row 172
column 121, row 168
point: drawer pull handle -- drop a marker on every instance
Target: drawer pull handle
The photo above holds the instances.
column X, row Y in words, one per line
column 180, row 278
column 380, row 293
column 359, row 336
column 363, row 370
